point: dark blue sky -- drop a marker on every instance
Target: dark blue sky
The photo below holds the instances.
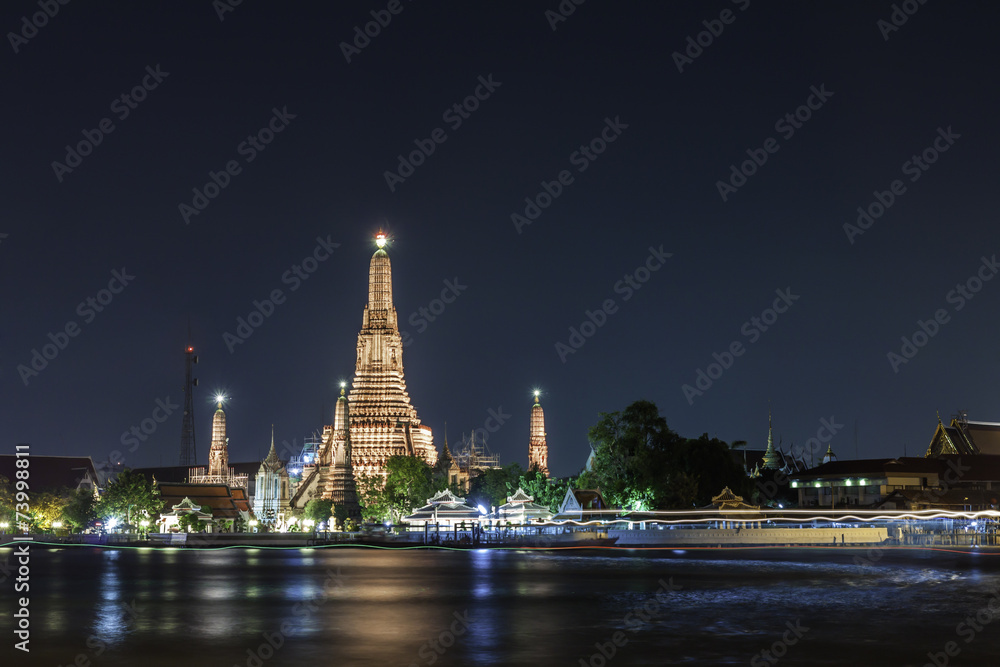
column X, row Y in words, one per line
column 323, row 175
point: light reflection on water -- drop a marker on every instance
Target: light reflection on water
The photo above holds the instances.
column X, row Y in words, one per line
column 387, row 607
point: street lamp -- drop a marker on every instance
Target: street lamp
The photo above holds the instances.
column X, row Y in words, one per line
column 57, row 525
column 3, row 527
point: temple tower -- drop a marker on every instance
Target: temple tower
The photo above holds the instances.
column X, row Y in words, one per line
column 218, row 455
column 340, row 486
column 271, row 501
column 771, row 459
column 382, row 421
column 538, row 450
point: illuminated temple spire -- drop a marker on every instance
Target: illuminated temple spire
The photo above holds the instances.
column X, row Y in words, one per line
column 770, row 456
column 218, row 455
column 538, row 450
column 383, row 423
column 340, row 485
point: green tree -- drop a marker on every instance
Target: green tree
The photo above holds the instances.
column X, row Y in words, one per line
column 130, row 497
column 491, row 487
column 319, row 510
column 639, row 463
column 46, row 507
column 7, row 500
column 408, row 484
column 372, row 498
column 710, row 463
column 189, row 522
column 547, row 492
column 633, row 452
column 79, row 511
column 340, row 516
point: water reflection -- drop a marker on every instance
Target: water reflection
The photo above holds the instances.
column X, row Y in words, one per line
column 352, row 606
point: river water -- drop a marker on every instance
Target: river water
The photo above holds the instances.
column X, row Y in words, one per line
column 341, row 606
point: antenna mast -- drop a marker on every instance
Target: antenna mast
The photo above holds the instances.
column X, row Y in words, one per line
column 189, row 453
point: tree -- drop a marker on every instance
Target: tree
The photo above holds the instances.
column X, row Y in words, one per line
column 407, row 485
column 128, row 498
column 547, row 492
column 7, row 501
column 46, row 507
column 710, row 463
column 189, row 521
column 639, row 463
column 491, row 487
column 319, row 510
column 372, row 498
column 80, row 509
column 633, row 452
column 340, row 516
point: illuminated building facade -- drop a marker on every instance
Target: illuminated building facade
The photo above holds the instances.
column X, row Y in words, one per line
column 538, row 449
column 383, row 423
column 272, row 489
column 219, row 471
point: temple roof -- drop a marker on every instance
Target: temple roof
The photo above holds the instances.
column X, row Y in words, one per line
column 271, row 462
column 964, row 436
column 445, row 496
column 727, row 500
column 226, row 503
column 520, row 496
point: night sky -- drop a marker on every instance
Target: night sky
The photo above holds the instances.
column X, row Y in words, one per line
column 211, row 85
